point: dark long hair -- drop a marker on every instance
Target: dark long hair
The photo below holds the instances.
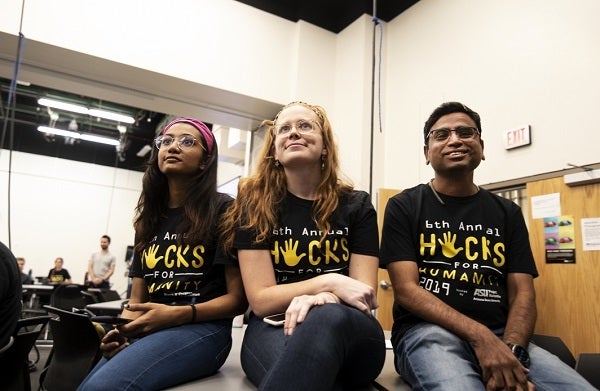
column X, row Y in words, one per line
column 200, row 202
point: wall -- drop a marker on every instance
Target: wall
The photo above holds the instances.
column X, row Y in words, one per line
column 60, row 208
column 515, row 62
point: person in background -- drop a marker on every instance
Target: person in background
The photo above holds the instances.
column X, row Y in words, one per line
column 307, row 245
column 462, row 271
column 183, row 297
column 10, row 295
column 101, row 265
column 58, row 275
column 25, row 277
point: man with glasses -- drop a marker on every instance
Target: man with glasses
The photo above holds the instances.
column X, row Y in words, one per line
column 462, row 271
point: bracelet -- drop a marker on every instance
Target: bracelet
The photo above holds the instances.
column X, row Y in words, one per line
column 193, row 313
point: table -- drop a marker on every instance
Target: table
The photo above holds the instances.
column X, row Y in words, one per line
column 113, row 307
column 37, row 289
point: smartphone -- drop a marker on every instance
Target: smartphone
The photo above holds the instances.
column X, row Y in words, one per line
column 110, row 319
column 275, row 320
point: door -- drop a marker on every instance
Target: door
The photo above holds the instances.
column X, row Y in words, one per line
column 385, row 294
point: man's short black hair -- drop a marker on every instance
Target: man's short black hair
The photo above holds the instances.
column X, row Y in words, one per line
column 106, row 237
column 449, row 108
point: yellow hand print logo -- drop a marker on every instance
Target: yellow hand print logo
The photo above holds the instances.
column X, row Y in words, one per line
column 289, row 253
column 448, row 248
column 150, row 256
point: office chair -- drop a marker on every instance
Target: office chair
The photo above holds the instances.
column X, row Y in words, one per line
column 108, row 295
column 68, row 296
column 556, row 346
column 588, row 366
column 14, row 359
column 75, row 352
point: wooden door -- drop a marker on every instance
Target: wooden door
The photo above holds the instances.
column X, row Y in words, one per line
column 567, row 295
column 385, row 295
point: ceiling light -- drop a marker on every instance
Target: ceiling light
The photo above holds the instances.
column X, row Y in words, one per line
column 111, row 115
column 63, row 105
column 76, row 135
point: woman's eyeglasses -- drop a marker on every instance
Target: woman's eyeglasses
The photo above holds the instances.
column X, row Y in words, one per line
column 462, row 132
column 300, row 126
column 184, row 142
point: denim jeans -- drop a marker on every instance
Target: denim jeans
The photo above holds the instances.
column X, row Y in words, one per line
column 335, row 347
column 165, row 358
column 431, row 358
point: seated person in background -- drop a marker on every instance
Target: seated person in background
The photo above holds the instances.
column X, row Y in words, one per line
column 25, row 277
column 58, row 275
column 307, row 245
column 10, row 295
column 462, row 270
column 183, row 297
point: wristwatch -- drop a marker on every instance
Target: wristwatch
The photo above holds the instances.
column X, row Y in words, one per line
column 520, row 353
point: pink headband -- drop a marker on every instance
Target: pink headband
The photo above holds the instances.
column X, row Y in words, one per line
column 202, row 128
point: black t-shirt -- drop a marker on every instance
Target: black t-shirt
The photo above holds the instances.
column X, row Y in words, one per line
column 10, row 294
column 58, row 276
column 182, row 273
column 295, row 247
column 464, row 250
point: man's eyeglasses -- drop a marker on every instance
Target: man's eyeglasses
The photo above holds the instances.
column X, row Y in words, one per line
column 184, row 142
column 300, row 126
column 462, row 132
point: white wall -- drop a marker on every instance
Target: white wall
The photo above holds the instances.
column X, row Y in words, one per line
column 61, row 208
column 515, row 62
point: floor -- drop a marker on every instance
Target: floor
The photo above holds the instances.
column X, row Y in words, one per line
column 39, row 356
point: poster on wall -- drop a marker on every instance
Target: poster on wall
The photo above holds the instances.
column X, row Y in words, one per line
column 590, row 234
column 559, row 239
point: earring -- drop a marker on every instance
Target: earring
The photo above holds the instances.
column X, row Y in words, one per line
column 322, row 162
column 276, row 163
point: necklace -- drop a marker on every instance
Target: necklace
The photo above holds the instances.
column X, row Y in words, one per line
column 435, row 193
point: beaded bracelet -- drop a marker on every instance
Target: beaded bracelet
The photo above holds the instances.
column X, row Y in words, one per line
column 193, row 313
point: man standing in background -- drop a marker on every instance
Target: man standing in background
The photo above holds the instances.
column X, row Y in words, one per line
column 101, row 265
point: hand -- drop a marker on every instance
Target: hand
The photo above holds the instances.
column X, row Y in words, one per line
column 153, row 317
column 97, row 281
column 112, row 343
column 500, row 368
column 356, row 293
column 299, row 307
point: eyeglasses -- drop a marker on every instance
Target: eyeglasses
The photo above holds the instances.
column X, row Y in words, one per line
column 463, row 132
column 185, row 142
column 300, row 126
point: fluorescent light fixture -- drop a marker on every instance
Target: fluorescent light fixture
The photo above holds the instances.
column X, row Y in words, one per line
column 63, row 105
column 81, row 136
column 112, row 116
column 57, row 104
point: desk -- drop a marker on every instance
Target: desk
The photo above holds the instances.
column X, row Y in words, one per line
column 37, row 289
column 106, row 307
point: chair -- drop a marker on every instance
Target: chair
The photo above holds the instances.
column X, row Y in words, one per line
column 75, row 351
column 108, row 295
column 13, row 359
column 68, row 296
column 588, row 366
column 556, row 346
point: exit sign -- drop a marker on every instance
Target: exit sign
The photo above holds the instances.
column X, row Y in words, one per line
column 517, row 137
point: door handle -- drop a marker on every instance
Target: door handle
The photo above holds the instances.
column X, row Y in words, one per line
column 384, row 285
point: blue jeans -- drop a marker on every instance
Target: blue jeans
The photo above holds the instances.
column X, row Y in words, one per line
column 165, row 358
column 335, row 347
column 431, row 358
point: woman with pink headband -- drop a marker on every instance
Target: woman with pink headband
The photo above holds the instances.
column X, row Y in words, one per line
column 184, row 293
